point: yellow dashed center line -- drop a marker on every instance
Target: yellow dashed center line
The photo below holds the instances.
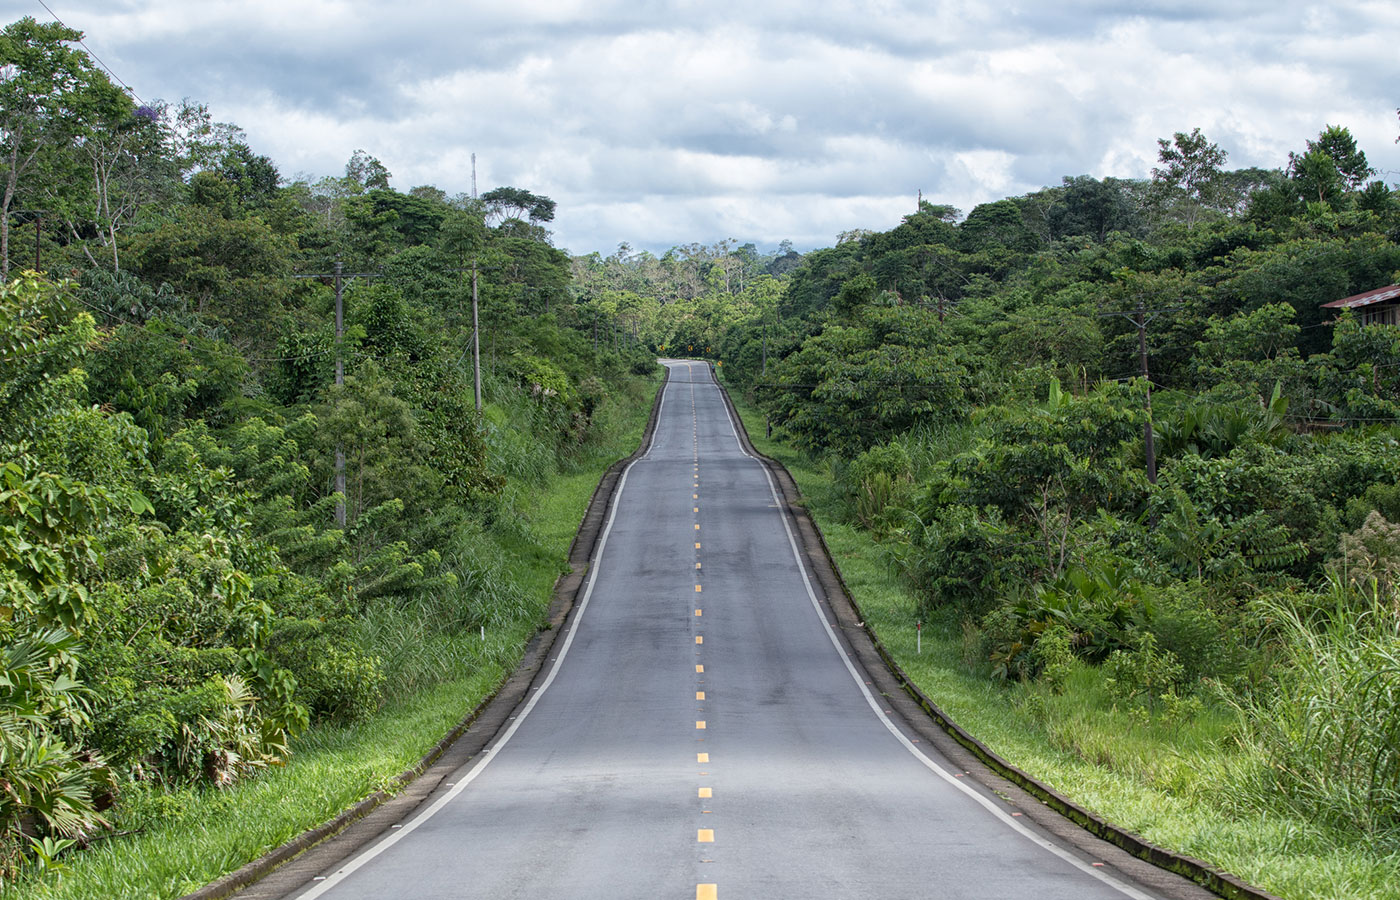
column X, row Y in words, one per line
column 703, row 891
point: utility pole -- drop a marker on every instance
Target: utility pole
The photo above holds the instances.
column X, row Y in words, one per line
column 476, row 340
column 1140, row 317
column 339, row 382
column 338, row 274
column 765, row 349
column 1148, row 442
column 476, row 319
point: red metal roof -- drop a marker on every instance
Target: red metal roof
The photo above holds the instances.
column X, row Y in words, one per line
column 1386, row 293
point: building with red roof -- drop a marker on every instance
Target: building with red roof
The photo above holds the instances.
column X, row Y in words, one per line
column 1378, row 307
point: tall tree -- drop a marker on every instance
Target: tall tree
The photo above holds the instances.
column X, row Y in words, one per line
column 366, row 172
column 1190, row 174
column 517, row 203
column 1331, row 166
column 50, row 95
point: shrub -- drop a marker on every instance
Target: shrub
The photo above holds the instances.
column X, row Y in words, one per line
column 1206, row 640
column 966, row 558
column 1145, row 672
column 1096, row 609
column 1370, row 553
column 1053, row 657
column 335, row 677
column 877, row 484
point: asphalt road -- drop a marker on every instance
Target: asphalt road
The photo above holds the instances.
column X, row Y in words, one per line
column 701, row 733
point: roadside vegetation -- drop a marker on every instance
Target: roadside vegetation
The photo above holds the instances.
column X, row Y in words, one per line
column 1190, row 782
column 206, row 644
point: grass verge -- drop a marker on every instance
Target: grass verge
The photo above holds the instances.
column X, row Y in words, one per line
column 193, row 837
column 1176, row 782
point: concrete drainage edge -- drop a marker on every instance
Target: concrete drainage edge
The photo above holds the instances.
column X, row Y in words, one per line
column 566, row 589
column 1221, row 883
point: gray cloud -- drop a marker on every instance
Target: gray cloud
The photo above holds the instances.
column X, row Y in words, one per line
column 687, row 121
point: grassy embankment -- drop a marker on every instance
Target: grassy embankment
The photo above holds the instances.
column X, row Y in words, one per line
column 190, row 838
column 1182, row 783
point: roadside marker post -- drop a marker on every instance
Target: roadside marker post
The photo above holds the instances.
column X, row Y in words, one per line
column 919, row 640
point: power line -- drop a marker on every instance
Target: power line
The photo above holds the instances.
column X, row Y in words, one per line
column 186, row 334
column 95, row 57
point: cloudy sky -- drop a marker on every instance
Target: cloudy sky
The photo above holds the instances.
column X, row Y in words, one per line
column 660, row 123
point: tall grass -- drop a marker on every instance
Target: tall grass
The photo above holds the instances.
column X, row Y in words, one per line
column 929, row 445
column 1330, row 728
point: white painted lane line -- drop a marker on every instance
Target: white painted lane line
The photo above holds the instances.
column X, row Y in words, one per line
column 1122, row 887
column 368, row 855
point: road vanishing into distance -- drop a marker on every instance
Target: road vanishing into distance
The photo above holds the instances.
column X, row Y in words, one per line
column 701, row 732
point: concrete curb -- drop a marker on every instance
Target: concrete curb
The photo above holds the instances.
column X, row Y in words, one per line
column 856, row 632
column 412, row 786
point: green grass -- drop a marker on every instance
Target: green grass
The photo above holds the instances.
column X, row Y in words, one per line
column 1176, row 783
column 202, row 835
column 192, row 837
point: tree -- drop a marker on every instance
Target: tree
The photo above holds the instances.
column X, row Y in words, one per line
column 366, row 172
column 1339, row 144
column 1091, row 207
column 123, row 155
column 517, row 203
column 49, row 95
column 1190, row 172
column 1331, row 166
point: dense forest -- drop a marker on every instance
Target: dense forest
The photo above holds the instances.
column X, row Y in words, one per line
column 183, row 588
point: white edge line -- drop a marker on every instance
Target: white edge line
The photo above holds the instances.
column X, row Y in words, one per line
column 1126, row 889
column 490, row 752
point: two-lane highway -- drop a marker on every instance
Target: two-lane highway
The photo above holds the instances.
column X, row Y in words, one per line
column 701, row 733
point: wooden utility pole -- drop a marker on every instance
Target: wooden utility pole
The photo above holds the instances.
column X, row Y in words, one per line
column 765, row 349
column 1140, row 317
column 476, row 318
column 1148, row 442
column 338, row 275
column 339, row 382
column 476, row 340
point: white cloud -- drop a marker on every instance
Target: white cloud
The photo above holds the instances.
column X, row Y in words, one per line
column 686, row 121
